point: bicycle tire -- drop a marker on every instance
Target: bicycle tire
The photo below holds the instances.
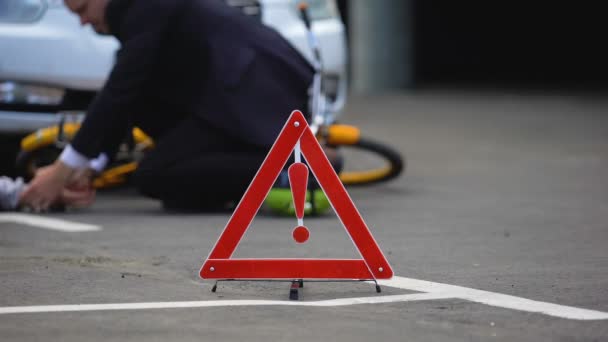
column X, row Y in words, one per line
column 395, row 164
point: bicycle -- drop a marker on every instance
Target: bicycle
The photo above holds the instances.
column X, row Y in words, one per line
column 43, row 146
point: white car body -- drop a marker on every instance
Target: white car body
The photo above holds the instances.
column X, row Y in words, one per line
column 41, row 58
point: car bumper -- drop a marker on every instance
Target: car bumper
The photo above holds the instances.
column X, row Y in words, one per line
column 14, row 122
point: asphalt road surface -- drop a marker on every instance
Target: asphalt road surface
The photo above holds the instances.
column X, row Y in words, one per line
column 498, row 231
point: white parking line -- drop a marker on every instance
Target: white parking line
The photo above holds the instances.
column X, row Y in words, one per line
column 48, row 223
column 431, row 291
column 495, row 299
column 216, row 303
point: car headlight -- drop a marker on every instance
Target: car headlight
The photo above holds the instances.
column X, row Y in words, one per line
column 319, row 9
column 21, row 11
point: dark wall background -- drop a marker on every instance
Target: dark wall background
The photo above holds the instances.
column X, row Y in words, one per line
column 508, row 42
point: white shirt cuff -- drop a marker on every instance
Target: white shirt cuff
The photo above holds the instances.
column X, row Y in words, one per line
column 99, row 163
column 76, row 160
column 73, row 158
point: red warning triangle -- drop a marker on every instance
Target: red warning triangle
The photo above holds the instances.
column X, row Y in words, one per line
column 220, row 265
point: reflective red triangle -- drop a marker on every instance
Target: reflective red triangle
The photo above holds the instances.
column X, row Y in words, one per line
column 220, row 265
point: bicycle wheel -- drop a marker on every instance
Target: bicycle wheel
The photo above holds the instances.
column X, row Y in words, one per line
column 392, row 164
column 393, row 167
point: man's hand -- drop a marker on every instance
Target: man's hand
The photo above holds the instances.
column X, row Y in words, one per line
column 47, row 186
column 81, row 180
column 82, row 197
column 79, row 192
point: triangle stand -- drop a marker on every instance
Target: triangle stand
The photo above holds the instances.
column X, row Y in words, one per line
column 296, row 134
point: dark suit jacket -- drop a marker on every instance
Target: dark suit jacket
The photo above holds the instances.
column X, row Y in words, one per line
column 194, row 57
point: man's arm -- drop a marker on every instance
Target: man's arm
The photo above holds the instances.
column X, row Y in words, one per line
column 142, row 31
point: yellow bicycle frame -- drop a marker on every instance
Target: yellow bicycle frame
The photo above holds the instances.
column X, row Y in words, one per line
column 113, row 176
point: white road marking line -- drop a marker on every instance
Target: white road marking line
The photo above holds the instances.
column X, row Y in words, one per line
column 220, row 303
column 495, row 299
column 48, row 223
column 431, row 291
